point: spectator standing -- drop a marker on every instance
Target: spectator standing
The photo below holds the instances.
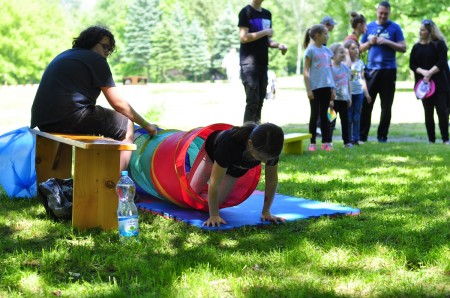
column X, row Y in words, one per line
column 359, row 27
column 358, row 87
column 342, row 101
column 329, row 23
column 428, row 61
column 382, row 39
column 255, row 34
column 230, row 63
column 319, row 83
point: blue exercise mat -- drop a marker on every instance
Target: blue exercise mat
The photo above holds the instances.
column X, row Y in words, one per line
column 247, row 213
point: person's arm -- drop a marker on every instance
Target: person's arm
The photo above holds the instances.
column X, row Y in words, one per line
column 246, row 37
column 306, row 69
column 122, row 106
column 276, row 45
column 217, row 175
column 271, row 177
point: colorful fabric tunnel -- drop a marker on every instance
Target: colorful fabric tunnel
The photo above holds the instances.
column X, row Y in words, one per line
column 162, row 164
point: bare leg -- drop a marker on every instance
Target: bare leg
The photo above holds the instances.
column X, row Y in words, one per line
column 125, row 156
column 225, row 188
column 199, row 177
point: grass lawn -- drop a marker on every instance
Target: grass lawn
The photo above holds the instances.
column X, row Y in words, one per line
column 399, row 246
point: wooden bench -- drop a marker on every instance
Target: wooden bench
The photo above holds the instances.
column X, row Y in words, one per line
column 95, row 173
column 293, row 142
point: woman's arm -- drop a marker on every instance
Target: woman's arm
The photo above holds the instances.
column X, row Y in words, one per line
column 271, row 177
column 246, row 37
column 306, row 69
column 119, row 104
column 217, row 175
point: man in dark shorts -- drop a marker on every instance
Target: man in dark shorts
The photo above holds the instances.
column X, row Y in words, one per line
column 255, row 32
column 65, row 101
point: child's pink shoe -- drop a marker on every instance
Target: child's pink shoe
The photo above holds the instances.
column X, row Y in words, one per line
column 326, row 147
column 312, row 147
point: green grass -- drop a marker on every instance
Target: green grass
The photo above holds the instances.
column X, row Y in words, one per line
column 399, row 246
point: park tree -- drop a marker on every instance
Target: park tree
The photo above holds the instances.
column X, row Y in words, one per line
column 226, row 36
column 28, row 43
column 166, row 57
column 113, row 15
column 142, row 19
column 197, row 54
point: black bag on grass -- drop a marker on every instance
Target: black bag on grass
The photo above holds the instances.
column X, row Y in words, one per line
column 56, row 196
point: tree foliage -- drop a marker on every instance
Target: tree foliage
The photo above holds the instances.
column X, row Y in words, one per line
column 182, row 39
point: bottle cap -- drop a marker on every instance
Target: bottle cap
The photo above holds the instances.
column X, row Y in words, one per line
column 124, row 173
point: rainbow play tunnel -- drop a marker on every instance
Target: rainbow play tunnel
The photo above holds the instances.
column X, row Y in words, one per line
column 162, row 164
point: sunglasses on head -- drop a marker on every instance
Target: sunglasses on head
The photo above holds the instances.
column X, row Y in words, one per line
column 427, row 22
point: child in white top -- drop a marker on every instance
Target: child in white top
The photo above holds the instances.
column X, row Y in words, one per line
column 359, row 89
column 342, row 102
column 319, row 83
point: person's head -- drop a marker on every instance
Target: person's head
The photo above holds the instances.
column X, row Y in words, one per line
column 429, row 31
column 318, row 33
column 353, row 49
column 358, row 23
column 265, row 142
column 383, row 12
column 338, row 51
column 329, row 23
column 97, row 39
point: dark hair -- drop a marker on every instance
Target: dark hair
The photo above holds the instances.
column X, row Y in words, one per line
column 357, row 19
column 267, row 138
column 311, row 32
column 349, row 42
column 385, row 4
column 93, row 35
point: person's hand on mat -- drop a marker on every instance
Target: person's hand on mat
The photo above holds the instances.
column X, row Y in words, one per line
column 214, row 221
column 272, row 218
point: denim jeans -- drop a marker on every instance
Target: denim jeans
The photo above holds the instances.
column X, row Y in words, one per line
column 354, row 116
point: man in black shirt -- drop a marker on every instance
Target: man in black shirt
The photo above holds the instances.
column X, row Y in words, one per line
column 255, row 32
column 65, row 101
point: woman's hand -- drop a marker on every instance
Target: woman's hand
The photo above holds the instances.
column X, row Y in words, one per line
column 269, row 217
column 310, row 95
column 152, row 129
column 214, row 221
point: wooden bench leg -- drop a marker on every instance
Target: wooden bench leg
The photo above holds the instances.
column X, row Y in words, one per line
column 94, row 189
column 53, row 159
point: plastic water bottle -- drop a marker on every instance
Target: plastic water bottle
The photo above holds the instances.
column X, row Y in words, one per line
column 127, row 213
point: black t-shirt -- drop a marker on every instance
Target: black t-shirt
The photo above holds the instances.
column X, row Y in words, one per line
column 230, row 154
column 70, row 84
column 256, row 52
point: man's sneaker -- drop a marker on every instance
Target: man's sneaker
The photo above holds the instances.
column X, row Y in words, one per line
column 326, row 147
column 360, row 143
column 312, row 147
column 446, row 143
column 382, row 140
column 348, row 145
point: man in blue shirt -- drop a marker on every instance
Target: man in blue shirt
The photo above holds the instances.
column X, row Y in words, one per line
column 382, row 39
